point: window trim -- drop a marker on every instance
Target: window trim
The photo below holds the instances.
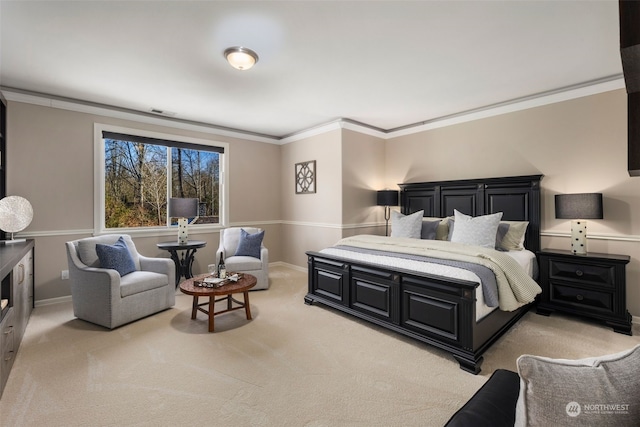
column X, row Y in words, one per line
column 99, row 185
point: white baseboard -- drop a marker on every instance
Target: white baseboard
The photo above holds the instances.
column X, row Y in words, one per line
column 50, row 301
column 287, row 265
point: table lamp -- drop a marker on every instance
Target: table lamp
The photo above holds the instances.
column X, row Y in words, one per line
column 16, row 214
column 579, row 208
column 387, row 198
column 182, row 209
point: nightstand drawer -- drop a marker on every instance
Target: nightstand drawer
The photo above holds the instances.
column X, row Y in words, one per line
column 585, row 300
column 594, row 274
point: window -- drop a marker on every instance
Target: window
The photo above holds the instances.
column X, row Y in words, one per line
column 139, row 171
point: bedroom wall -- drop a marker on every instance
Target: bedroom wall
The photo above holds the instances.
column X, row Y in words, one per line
column 578, row 145
column 50, row 162
column 311, row 221
column 362, row 175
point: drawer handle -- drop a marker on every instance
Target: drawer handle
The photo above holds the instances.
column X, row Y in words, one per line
column 579, row 297
column 9, row 356
column 579, row 273
column 8, row 331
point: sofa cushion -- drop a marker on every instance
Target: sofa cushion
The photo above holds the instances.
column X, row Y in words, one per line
column 141, row 281
column 596, row 391
column 249, row 244
column 116, row 257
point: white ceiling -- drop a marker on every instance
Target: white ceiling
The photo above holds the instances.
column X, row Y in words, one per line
column 387, row 64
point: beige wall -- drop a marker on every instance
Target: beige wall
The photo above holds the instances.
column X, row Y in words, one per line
column 350, row 167
column 362, row 175
column 578, row 145
column 50, row 162
column 311, row 221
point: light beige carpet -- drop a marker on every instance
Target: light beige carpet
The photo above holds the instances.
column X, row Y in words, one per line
column 292, row 365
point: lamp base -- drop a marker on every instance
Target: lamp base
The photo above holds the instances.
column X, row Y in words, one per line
column 8, row 242
column 579, row 237
column 183, row 237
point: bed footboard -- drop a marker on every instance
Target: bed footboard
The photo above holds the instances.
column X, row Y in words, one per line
column 435, row 310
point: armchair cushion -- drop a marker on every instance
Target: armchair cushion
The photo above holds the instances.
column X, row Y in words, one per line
column 243, row 263
column 141, row 281
column 249, row 244
column 116, row 257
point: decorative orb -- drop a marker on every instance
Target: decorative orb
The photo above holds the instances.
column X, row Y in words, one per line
column 16, row 214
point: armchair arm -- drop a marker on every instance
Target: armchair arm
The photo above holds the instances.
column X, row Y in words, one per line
column 264, row 255
column 89, row 277
column 94, row 290
column 159, row 265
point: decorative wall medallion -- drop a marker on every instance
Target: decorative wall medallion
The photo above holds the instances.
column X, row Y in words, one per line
column 306, row 177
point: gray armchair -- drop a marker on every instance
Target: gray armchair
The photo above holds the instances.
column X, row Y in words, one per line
column 259, row 267
column 103, row 297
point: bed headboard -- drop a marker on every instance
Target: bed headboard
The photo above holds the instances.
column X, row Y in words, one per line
column 518, row 197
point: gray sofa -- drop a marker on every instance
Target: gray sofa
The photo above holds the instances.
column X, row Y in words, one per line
column 103, row 297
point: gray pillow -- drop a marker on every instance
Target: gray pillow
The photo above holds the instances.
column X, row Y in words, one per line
column 250, row 244
column 116, row 257
column 443, row 227
column 503, row 229
column 406, row 225
column 429, row 230
column 599, row 391
column 477, row 231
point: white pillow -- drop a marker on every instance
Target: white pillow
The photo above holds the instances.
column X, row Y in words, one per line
column 477, row 231
column 406, row 225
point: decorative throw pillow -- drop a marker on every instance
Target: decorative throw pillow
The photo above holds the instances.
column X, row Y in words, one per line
column 443, row 227
column 514, row 239
column 429, row 230
column 503, row 229
column 116, row 257
column 597, row 391
column 477, row 231
column 250, row 244
column 406, row 225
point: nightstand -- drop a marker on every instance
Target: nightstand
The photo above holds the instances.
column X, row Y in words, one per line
column 591, row 285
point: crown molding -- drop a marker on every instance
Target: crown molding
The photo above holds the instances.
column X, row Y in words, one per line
column 78, row 106
column 592, row 87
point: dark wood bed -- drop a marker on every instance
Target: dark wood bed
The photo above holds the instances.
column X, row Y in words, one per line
column 436, row 310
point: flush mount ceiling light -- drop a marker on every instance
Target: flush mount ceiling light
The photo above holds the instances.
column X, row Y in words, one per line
column 241, row 58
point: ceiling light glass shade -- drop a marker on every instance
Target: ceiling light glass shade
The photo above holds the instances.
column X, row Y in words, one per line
column 241, row 58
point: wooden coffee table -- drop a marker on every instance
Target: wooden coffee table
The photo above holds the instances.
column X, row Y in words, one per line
column 246, row 282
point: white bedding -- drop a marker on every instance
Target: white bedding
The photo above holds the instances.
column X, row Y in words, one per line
column 526, row 259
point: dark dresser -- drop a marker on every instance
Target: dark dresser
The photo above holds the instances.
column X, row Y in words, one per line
column 591, row 285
